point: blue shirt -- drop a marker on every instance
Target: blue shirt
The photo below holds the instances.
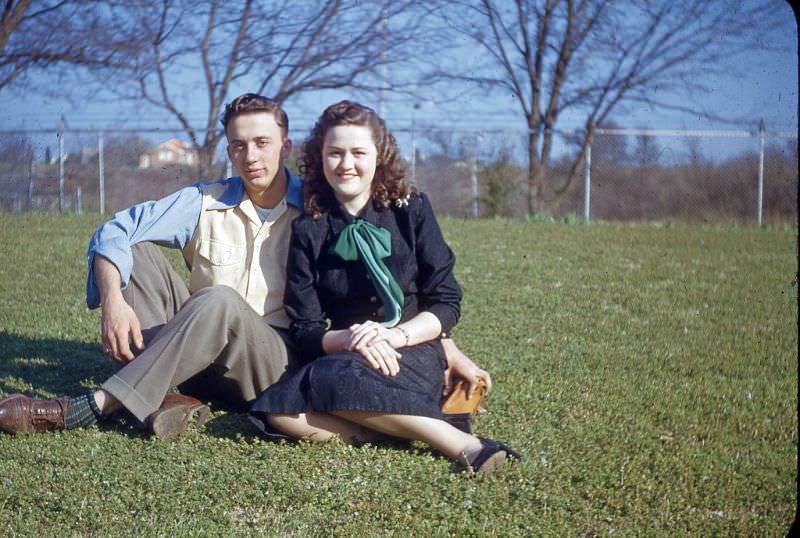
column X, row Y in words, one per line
column 169, row 222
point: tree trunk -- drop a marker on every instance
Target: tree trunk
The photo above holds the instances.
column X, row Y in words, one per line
column 205, row 164
column 544, row 161
column 535, row 176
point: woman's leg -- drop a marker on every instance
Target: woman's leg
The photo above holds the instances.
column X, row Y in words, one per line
column 439, row 434
column 320, row 427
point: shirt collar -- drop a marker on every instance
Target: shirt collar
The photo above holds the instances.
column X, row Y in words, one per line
column 339, row 217
column 235, row 193
column 294, row 191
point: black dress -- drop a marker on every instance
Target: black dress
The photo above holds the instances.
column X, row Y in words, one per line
column 322, row 287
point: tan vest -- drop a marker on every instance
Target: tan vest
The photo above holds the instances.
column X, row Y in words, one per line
column 232, row 247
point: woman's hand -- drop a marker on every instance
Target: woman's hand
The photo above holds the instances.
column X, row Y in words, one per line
column 461, row 366
column 368, row 340
column 381, row 356
column 370, row 332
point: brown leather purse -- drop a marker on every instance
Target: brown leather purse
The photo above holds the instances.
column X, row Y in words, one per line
column 459, row 409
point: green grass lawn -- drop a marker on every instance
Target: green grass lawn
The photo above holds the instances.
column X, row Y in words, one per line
column 648, row 374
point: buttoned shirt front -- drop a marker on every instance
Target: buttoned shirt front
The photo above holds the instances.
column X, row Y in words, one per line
column 221, row 236
column 322, row 287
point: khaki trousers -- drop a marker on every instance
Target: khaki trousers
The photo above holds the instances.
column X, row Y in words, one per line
column 211, row 343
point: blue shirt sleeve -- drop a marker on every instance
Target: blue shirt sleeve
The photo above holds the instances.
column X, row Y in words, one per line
column 170, row 222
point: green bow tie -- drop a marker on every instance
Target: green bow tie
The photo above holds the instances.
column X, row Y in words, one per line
column 360, row 239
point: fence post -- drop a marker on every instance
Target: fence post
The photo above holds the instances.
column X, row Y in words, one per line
column 60, row 169
column 30, row 185
column 587, row 182
column 761, row 137
column 101, row 172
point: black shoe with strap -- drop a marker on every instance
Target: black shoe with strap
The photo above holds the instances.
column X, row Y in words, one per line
column 492, row 457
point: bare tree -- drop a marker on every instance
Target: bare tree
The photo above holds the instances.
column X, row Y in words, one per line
column 45, row 34
column 590, row 56
column 646, row 151
column 446, row 143
column 280, row 48
column 16, row 151
column 694, row 151
column 608, row 150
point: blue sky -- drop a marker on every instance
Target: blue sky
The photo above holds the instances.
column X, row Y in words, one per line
column 768, row 89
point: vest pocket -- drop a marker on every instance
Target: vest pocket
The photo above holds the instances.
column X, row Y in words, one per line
column 219, row 253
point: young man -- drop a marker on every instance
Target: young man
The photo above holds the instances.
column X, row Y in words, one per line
column 225, row 335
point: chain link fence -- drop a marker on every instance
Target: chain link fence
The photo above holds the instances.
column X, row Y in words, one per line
column 81, row 170
column 633, row 175
column 693, row 176
column 725, row 177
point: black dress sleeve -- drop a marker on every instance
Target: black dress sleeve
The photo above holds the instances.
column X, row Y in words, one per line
column 439, row 293
column 301, row 300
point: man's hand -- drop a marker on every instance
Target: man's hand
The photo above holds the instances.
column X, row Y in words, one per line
column 119, row 329
column 461, row 366
column 119, row 326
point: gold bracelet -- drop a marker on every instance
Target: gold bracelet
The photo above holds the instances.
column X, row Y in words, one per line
column 405, row 334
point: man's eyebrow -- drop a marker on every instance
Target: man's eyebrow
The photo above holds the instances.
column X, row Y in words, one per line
column 257, row 138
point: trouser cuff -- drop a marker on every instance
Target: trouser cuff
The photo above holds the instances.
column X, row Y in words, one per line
column 130, row 399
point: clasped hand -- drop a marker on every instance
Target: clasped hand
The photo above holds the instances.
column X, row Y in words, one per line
column 378, row 345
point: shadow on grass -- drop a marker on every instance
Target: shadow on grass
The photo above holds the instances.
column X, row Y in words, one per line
column 48, row 367
column 43, row 367
column 234, row 424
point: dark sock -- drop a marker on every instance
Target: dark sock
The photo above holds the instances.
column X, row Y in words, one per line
column 82, row 411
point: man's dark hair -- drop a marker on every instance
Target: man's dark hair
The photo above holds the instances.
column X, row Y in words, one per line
column 251, row 102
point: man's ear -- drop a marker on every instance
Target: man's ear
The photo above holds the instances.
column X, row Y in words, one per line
column 228, row 151
column 286, row 149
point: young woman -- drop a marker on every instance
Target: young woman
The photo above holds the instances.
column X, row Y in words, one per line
column 370, row 290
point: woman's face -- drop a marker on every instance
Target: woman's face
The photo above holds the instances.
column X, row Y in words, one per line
column 349, row 158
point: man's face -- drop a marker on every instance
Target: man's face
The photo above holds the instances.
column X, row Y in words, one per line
column 257, row 148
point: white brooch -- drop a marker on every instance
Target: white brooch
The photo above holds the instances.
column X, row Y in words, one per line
column 402, row 202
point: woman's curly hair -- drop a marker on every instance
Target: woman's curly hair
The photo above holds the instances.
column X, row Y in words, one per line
column 389, row 183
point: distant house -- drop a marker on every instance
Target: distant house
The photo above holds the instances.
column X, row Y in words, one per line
column 172, row 151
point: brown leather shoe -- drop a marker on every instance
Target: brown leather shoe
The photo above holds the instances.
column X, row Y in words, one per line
column 175, row 415
column 21, row 414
